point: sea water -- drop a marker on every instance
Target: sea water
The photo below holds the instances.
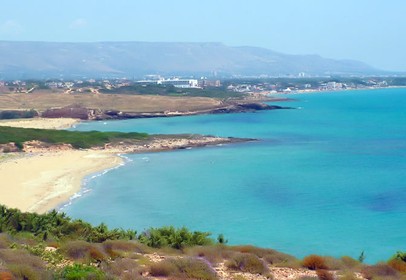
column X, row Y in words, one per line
column 327, row 178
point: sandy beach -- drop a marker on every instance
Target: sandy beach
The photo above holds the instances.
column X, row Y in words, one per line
column 42, row 123
column 42, row 181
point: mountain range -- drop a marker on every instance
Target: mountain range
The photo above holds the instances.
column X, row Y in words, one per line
column 26, row 60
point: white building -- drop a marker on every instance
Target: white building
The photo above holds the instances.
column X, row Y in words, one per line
column 180, row 83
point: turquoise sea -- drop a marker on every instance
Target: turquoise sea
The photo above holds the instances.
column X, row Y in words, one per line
column 327, row 178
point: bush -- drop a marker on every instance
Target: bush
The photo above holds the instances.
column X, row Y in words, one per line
column 17, row 257
column 115, row 248
column 4, row 241
column 269, row 255
column 398, row 265
column 314, row 262
column 401, row 256
column 163, row 269
column 123, row 269
column 398, row 262
column 183, row 268
column 6, row 275
column 213, row 254
column 324, row 275
column 81, row 250
column 27, row 272
column 379, row 270
column 174, row 238
column 349, row 262
column 247, row 262
column 334, row 263
column 79, row 272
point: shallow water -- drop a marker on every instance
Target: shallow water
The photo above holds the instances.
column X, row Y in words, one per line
column 328, row 178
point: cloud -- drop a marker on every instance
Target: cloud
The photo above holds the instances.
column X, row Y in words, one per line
column 11, row 27
column 78, row 23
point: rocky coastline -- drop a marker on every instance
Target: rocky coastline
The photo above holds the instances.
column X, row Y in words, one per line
column 83, row 113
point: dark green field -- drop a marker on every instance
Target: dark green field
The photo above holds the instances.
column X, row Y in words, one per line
column 77, row 139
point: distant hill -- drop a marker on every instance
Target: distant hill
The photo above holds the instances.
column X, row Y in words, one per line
column 24, row 60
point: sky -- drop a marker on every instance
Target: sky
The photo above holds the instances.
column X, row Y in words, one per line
column 372, row 31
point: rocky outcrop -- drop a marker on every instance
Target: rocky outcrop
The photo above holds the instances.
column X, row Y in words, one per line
column 79, row 112
column 75, row 112
column 9, row 148
column 172, row 142
column 18, row 114
column 225, row 109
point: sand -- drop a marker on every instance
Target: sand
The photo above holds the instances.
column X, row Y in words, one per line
column 42, row 181
column 43, row 123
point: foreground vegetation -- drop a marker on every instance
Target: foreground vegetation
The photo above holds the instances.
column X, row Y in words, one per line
column 78, row 139
column 53, row 246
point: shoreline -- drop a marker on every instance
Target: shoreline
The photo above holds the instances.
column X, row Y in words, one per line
column 41, row 123
column 39, row 182
column 42, row 179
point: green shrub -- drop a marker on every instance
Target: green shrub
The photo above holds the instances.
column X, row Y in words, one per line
column 78, row 139
column 401, row 256
column 81, row 272
column 174, row 238
column 314, row 262
column 50, row 257
column 247, row 262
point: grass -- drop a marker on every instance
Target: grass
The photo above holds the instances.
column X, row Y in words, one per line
column 78, row 139
column 121, row 102
column 79, row 271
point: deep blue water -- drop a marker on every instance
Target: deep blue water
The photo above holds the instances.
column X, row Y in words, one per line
column 328, row 178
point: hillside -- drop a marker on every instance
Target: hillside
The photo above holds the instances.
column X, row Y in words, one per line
column 53, row 246
column 25, row 60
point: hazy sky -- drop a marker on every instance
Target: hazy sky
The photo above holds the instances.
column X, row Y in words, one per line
column 373, row 31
